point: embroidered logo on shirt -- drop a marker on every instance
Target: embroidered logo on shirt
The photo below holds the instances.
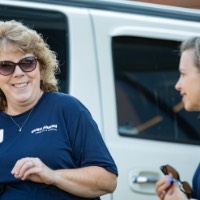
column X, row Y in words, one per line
column 1, row 135
column 45, row 128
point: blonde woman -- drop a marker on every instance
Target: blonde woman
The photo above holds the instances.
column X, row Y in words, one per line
column 50, row 146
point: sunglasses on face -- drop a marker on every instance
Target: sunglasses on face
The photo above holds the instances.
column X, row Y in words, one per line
column 26, row 64
column 184, row 186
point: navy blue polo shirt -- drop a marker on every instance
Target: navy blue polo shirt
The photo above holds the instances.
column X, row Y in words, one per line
column 62, row 133
column 196, row 183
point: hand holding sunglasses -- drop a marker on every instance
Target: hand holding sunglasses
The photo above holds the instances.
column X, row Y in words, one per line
column 184, row 186
column 26, row 64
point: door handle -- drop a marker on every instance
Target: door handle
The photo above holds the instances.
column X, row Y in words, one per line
column 145, row 179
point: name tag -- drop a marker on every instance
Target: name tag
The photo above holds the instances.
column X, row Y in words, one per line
column 1, row 135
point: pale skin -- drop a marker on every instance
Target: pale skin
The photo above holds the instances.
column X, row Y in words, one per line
column 167, row 191
column 22, row 91
column 189, row 87
column 189, row 82
column 85, row 182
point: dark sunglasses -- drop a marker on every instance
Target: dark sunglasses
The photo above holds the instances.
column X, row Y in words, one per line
column 184, row 186
column 26, row 64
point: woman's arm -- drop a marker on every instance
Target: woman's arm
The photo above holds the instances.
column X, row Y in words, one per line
column 86, row 182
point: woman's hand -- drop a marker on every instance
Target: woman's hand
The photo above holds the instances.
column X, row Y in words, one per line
column 33, row 169
column 174, row 193
column 163, row 185
column 168, row 189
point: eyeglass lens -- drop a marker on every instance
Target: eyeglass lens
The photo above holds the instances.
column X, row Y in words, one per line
column 26, row 64
column 167, row 169
column 186, row 187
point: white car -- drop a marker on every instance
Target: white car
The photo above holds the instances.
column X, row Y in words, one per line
column 121, row 60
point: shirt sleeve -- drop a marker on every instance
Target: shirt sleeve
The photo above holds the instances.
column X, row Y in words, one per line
column 88, row 146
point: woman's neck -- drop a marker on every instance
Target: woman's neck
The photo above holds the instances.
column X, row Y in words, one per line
column 20, row 108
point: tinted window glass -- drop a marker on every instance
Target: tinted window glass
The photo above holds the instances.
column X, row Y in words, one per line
column 52, row 25
column 148, row 106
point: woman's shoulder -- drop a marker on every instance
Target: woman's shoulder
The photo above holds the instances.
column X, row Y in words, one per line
column 63, row 99
column 60, row 96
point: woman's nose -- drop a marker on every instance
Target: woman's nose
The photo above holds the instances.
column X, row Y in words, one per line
column 178, row 86
column 18, row 71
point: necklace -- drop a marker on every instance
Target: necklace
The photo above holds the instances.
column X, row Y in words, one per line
column 20, row 127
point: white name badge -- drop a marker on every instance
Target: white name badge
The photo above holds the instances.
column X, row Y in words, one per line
column 1, row 135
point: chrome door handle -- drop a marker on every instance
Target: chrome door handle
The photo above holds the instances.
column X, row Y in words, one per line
column 145, row 179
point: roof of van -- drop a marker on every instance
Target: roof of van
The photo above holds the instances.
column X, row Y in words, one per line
column 130, row 7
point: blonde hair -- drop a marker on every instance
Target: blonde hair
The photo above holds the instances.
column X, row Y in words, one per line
column 18, row 37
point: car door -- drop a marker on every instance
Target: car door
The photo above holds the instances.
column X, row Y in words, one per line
column 145, row 125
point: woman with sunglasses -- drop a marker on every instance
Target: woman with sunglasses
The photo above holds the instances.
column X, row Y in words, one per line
column 189, row 87
column 50, row 146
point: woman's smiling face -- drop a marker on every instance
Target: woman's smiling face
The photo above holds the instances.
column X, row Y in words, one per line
column 20, row 88
column 189, row 81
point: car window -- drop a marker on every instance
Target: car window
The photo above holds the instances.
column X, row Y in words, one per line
column 54, row 28
column 148, row 106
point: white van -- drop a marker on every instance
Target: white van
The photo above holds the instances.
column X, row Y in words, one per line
column 121, row 60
